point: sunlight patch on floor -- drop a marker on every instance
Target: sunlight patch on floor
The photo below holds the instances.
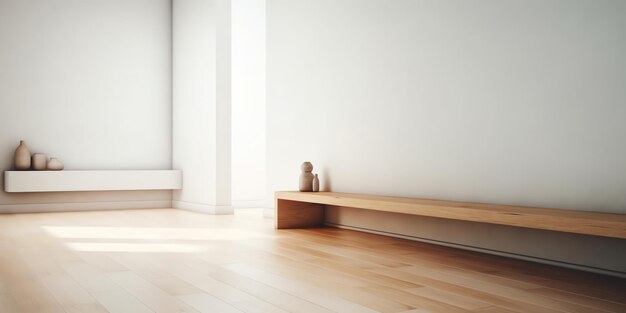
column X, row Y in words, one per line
column 154, row 233
column 134, row 247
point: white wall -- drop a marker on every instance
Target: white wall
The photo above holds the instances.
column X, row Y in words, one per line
column 90, row 83
column 201, row 104
column 515, row 102
column 248, row 102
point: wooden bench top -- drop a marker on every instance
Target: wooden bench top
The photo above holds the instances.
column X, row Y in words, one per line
column 582, row 222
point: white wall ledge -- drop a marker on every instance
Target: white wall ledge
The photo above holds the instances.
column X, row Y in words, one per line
column 58, row 181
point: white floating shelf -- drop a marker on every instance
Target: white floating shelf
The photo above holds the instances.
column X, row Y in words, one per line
column 52, row 181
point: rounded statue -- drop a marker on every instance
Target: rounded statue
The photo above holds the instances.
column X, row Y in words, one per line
column 306, row 177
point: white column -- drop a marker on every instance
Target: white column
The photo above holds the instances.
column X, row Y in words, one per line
column 248, row 103
column 201, row 104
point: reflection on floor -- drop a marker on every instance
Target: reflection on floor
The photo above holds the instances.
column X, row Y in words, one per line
column 176, row 261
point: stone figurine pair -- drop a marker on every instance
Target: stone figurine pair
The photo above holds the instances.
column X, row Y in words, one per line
column 38, row 161
column 308, row 181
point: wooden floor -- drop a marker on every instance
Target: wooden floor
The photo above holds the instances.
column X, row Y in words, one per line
column 177, row 261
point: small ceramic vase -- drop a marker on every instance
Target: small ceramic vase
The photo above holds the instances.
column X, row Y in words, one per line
column 38, row 161
column 55, row 165
column 316, row 183
column 22, row 157
column 306, row 177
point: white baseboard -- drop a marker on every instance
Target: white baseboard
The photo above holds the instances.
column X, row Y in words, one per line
column 84, row 206
column 203, row 208
column 487, row 251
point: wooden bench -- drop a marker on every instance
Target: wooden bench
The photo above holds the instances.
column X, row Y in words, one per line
column 306, row 209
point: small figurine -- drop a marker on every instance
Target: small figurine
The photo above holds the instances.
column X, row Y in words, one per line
column 306, row 177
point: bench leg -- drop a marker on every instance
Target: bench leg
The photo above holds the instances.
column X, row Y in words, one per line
column 295, row 214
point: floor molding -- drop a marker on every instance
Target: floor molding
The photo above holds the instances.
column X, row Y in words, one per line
column 84, row 206
column 203, row 208
column 487, row 251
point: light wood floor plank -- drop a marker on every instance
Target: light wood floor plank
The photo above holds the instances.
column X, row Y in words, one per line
column 90, row 277
column 497, row 289
column 257, row 306
column 416, row 300
column 460, row 301
column 205, row 303
column 7, row 304
column 195, row 272
column 120, row 301
column 301, row 290
column 590, row 302
column 165, row 260
column 495, row 300
column 71, row 295
column 276, row 297
column 173, row 285
column 346, row 286
column 154, row 298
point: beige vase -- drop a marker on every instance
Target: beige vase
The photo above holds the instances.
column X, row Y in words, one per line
column 38, row 161
column 22, row 157
column 55, row 165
